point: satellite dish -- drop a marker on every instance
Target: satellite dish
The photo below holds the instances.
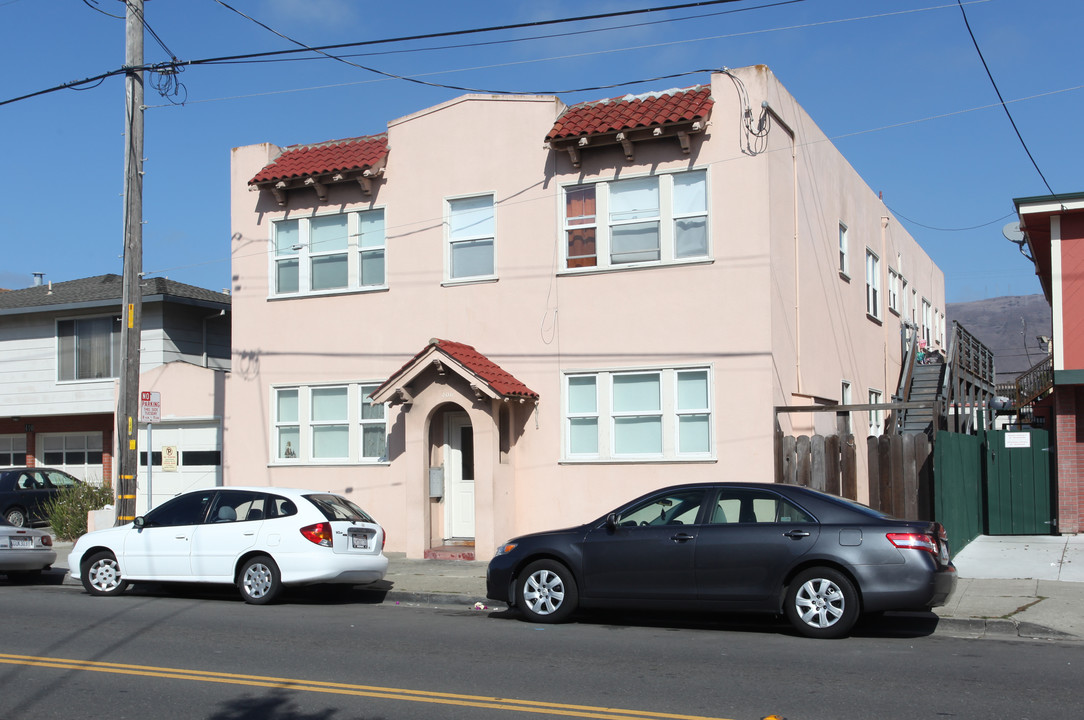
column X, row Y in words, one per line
column 1013, row 233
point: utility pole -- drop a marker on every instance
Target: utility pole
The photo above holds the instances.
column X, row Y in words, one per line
column 132, row 300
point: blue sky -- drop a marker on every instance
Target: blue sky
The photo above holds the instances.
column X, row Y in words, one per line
column 897, row 85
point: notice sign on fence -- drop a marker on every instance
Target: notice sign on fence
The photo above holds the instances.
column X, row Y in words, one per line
column 150, row 407
column 169, row 458
column 1017, row 440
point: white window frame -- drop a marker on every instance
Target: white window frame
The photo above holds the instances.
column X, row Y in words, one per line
column 372, row 416
column 669, row 415
column 845, row 399
column 876, row 417
column 11, row 448
column 927, row 320
column 305, row 255
column 893, row 291
column 844, row 254
column 667, row 216
column 452, row 243
column 303, row 426
column 873, row 284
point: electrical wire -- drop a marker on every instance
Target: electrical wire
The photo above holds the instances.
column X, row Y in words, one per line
column 942, row 229
column 1001, row 99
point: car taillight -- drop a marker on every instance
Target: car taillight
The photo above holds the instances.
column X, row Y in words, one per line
column 383, row 539
column 914, row 541
column 320, row 534
column 47, row 540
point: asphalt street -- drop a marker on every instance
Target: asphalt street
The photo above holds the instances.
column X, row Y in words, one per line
column 202, row 653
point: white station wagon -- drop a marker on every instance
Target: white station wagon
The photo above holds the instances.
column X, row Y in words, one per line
column 257, row 538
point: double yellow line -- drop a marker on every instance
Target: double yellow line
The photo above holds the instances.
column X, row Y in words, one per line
column 384, row 693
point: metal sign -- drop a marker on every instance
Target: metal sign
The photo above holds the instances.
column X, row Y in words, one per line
column 150, row 407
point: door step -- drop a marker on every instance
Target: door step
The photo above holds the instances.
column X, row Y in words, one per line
column 450, row 552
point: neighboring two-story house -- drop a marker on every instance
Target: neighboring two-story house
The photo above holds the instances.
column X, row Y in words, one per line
column 60, row 358
column 1053, row 227
column 504, row 314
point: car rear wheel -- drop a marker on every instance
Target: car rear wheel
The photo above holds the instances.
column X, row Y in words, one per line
column 101, row 575
column 546, row 592
column 259, row 581
column 822, row 603
column 17, row 517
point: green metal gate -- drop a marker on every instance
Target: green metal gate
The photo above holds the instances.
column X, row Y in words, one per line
column 994, row 483
column 1019, row 483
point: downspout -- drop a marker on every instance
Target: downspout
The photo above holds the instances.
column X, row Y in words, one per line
column 794, row 223
column 884, row 254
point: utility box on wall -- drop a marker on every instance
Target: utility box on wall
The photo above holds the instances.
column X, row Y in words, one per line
column 436, row 482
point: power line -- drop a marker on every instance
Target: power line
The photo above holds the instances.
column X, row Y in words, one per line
column 1001, row 99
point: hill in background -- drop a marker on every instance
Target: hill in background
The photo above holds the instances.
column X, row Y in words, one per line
column 1009, row 326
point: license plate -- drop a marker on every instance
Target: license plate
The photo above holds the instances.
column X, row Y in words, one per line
column 18, row 542
column 359, row 541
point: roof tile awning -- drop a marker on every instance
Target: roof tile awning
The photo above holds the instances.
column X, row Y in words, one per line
column 359, row 159
column 485, row 377
column 632, row 118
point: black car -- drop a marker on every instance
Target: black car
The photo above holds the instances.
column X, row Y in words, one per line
column 783, row 549
column 25, row 490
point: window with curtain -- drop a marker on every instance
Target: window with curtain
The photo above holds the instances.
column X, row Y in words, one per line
column 329, row 421
column 651, row 220
column 88, row 348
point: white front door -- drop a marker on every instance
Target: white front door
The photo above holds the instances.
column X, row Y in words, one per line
column 458, row 477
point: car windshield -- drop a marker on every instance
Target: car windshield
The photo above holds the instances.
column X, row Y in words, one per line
column 336, row 507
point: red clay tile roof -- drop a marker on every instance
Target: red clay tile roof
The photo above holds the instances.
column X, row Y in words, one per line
column 327, row 157
column 633, row 111
column 502, row 382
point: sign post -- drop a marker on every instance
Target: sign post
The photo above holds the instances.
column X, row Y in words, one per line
column 150, row 412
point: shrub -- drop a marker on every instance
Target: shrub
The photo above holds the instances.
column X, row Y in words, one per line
column 67, row 511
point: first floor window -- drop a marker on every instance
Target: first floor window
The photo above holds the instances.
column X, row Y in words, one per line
column 328, row 423
column 88, row 348
column 663, row 413
column 876, row 416
column 893, row 291
column 12, row 450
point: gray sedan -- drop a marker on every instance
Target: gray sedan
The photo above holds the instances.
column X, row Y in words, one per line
column 24, row 552
column 818, row 559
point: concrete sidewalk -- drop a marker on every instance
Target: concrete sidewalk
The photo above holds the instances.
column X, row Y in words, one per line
column 1009, row 587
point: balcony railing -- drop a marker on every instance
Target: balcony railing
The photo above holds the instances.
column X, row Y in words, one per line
column 1034, row 383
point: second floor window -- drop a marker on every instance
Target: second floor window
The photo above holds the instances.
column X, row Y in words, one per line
column 88, row 348
column 471, row 239
column 655, row 219
column 873, row 285
column 328, row 253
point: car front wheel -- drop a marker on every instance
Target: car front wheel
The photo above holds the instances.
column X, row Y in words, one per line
column 101, row 575
column 546, row 592
column 822, row 603
column 259, row 580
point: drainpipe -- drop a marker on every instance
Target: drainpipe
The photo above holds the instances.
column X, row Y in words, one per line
column 766, row 106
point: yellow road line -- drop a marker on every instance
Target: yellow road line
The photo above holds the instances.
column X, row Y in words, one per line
column 424, row 696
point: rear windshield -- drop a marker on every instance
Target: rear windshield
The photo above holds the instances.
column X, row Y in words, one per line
column 336, row 507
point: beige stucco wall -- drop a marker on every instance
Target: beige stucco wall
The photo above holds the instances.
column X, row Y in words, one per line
column 769, row 312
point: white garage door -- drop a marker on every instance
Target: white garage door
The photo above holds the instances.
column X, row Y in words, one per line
column 185, row 456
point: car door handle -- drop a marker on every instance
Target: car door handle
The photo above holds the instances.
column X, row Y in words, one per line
column 796, row 534
column 682, row 537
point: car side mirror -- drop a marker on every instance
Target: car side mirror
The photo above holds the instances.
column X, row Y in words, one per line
column 611, row 522
column 140, row 522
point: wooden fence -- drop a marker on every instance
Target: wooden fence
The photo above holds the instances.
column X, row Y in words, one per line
column 900, row 469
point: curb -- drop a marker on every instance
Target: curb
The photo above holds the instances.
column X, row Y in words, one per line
column 998, row 628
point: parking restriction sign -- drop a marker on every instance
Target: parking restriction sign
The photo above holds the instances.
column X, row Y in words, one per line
column 150, row 407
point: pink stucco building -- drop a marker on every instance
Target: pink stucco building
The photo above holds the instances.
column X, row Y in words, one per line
column 504, row 314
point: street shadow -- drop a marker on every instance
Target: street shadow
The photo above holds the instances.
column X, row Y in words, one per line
column 899, row 625
column 325, row 594
column 276, row 705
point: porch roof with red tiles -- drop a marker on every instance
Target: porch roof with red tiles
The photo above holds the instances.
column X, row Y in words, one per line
column 297, row 161
column 499, row 380
column 633, row 111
